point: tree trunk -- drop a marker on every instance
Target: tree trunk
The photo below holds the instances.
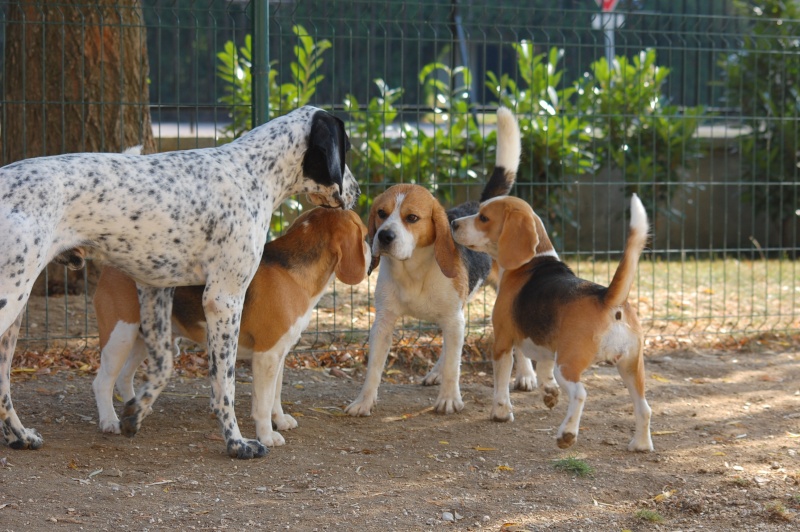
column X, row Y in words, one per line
column 75, row 81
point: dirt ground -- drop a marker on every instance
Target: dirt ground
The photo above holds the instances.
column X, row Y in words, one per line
column 726, row 427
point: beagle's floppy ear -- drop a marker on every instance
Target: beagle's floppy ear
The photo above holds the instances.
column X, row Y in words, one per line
column 518, row 240
column 372, row 229
column 327, row 144
column 444, row 247
column 351, row 267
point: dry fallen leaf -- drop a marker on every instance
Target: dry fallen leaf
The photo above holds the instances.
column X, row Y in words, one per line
column 329, row 410
column 407, row 416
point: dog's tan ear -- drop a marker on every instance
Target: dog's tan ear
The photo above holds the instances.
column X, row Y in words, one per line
column 372, row 228
column 352, row 265
column 518, row 240
column 444, row 247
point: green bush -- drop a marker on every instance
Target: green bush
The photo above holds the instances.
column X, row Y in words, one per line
column 633, row 128
column 763, row 81
column 615, row 116
column 234, row 68
column 555, row 136
column 444, row 155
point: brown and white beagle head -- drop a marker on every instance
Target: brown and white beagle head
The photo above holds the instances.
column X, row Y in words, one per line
column 343, row 232
column 407, row 217
column 507, row 229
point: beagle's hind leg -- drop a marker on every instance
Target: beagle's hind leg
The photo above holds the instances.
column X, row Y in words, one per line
column 631, row 369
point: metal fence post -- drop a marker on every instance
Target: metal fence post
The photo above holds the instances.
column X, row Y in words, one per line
column 260, row 69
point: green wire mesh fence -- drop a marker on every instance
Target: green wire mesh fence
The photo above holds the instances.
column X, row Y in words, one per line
column 692, row 105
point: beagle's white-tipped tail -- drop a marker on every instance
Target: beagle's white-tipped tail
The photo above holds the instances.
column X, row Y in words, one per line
column 509, row 149
column 509, row 144
column 626, row 271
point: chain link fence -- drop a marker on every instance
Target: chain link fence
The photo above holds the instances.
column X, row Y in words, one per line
column 692, row 105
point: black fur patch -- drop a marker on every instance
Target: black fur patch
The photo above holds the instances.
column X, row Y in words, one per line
column 478, row 264
column 187, row 305
column 328, row 143
column 499, row 184
column 551, row 285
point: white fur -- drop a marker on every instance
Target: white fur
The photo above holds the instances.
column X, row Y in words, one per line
column 576, row 394
column 412, row 288
column 123, row 339
column 404, row 243
column 467, row 235
column 638, row 217
column 509, row 146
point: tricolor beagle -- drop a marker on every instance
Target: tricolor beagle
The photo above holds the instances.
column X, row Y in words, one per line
column 424, row 274
column 295, row 270
column 556, row 318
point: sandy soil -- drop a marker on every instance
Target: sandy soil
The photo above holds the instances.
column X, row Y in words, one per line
column 726, row 428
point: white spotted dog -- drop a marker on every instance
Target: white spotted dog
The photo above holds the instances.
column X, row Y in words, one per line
column 560, row 320
column 295, row 270
column 424, row 274
column 195, row 217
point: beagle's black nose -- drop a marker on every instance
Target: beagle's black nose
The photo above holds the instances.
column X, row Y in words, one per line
column 386, row 237
column 454, row 224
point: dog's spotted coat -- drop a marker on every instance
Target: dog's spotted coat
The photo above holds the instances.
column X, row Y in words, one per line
column 170, row 219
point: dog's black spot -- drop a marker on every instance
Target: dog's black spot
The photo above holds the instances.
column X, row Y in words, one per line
column 551, row 285
column 3, row 303
column 618, row 315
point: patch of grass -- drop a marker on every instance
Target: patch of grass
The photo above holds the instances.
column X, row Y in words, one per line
column 649, row 516
column 776, row 511
column 795, row 498
column 573, row 465
column 740, row 482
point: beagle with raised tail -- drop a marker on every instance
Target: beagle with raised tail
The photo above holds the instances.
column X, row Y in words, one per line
column 424, row 274
column 294, row 272
column 563, row 322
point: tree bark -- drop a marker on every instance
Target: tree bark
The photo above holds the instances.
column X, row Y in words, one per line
column 75, row 81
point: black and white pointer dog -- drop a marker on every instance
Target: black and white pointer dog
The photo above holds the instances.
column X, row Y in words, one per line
column 197, row 217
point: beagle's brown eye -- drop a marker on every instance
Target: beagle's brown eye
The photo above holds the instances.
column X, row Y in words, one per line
column 412, row 218
column 483, row 218
column 382, row 214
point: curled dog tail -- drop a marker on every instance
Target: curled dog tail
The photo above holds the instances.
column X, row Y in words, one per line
column 506, row 163
column 637, row 237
